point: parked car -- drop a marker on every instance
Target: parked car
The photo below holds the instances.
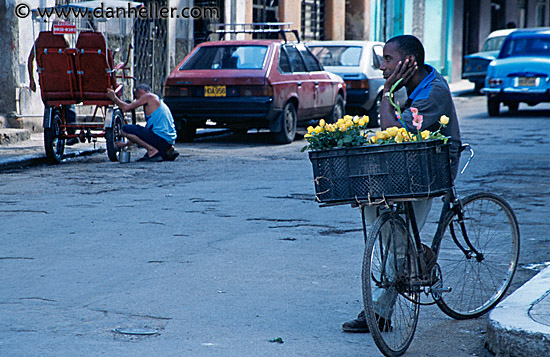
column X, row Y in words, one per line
column 521, row 73
column 475, row 64
column 244, row 84
column 358, row 63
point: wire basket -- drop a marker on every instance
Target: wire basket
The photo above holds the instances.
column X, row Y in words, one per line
column 374, row 172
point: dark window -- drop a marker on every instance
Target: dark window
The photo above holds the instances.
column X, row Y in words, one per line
column 311, row 63
column 284, row 63
column 347, row 56
column 528, row 46
column 227, row 57
column 296, row 62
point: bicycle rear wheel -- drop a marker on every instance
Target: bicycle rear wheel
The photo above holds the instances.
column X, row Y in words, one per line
column 480, row 269
column 390, row 264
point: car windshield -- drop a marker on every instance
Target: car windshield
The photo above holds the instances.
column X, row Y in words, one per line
column 342, row 56
column 227, row 57
column 526, row 46
column 493, row 44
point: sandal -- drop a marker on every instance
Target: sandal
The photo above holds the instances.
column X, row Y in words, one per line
column 155, row 158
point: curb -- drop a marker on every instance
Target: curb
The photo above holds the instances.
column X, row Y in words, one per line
column 13, row 135
column 511, row 329
column 35, row 160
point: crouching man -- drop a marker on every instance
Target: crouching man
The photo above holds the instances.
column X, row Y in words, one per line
column 159, row 134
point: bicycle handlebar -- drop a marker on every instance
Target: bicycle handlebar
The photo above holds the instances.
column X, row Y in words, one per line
column 469, row 147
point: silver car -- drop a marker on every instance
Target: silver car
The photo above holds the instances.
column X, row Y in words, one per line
column 358, row 63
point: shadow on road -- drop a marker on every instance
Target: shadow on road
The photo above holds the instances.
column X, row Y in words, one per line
column 253, row 138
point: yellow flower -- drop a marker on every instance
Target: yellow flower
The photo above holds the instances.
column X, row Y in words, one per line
column 318, row 130
column 348, row 117
column 366, row 118
column 373, row 139
column 340, row 122
column 425, row 134
column 308, row 136
column 382, row 135
column 444, row 120
column 322, row 122
column 362, row 122
column 331, row 128
column 356, row 119
column 310, row 129
column 398, row 139
column 393, row 131
column 342, row 127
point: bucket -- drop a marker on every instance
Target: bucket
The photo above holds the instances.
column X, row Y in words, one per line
column 124, row 156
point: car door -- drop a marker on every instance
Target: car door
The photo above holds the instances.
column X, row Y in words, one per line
column 304, row 84
column 323, row 87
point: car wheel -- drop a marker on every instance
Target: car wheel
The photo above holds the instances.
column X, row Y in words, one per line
column 493, row 107
column 513, row 106
column 374, row 112
column 337, row 111
column 288, row 125
column 186, row 132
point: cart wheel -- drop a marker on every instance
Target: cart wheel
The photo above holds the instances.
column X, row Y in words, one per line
column 114, row 134
column 53, row 139
column 132, row 113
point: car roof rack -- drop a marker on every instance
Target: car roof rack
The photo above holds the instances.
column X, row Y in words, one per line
column 282, row 28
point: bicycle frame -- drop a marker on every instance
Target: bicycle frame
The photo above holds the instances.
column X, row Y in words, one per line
column 451, row 206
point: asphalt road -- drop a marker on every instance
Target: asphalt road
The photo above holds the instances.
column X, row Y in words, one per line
column 225, row 250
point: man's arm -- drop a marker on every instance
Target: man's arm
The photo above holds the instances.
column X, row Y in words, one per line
column 387, row 111
column 30, row 68
column 126, row 107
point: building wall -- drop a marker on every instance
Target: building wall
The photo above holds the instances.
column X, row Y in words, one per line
column 290, row 11
column 357, row 19
column 335, row 20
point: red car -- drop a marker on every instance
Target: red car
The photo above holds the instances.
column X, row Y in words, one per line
column 245, row 84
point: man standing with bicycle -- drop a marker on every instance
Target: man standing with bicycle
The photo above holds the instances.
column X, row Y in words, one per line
column 429, row 98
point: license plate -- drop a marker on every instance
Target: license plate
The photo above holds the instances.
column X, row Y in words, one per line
column 214, row 91
column 527, row 81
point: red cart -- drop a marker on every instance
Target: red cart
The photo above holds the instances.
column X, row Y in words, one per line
column 79, row 75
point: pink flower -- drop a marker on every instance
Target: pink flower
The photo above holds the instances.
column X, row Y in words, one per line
column 417, row 121
column 414, row 111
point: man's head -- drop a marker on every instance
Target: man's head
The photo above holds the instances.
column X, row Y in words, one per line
column 141, row 89
column 408, row 45
column 400, row 49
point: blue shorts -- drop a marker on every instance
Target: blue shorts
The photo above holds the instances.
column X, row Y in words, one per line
column 148, row 136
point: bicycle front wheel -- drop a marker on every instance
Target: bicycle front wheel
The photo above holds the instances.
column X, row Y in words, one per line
column 390, row 267
column 478, row 255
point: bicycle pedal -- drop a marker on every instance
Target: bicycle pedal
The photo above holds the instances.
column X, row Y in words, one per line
column 440, row 290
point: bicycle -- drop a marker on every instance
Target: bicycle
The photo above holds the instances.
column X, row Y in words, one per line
column 475, row 250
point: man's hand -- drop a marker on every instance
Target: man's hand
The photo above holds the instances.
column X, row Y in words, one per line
column 405, row 70
column 111, row 94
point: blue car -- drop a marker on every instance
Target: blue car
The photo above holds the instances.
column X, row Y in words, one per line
column 475, row 64
column 521, row 72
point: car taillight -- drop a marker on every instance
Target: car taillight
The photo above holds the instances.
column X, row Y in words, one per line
column 256, row 91
column 360, row 84
column 494, row 82
column 172, row 91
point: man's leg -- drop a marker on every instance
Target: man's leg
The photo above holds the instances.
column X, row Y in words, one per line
column 384, row 299
column 140, row 135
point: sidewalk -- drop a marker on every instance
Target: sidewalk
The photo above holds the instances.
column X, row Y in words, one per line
column 31, row 152
column 518, row 326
